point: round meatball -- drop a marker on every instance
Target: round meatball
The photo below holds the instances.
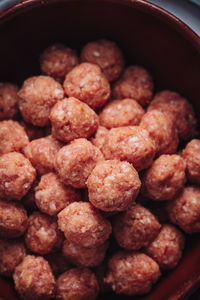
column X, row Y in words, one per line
column 36, row 98
column 51, row 195
column 191, row 155
column 113, row 185
column 72, row 119
column 77, row 284
column 42, row 235
column 180, row 108
column 106, row 55
column 87, row 83
column 75, row 162
column 135, row 228
column 165, row 178
column 83, row 225
column 41, row 152
column 13, row 219
column 132, row 273
column 119, row 113
column 99, row 138
column 58, row 263
column 16, row 176
column 33, row 132
column 167, row 247
column 8, row 101
column 136, row 83
column 33, row 279
column 131, row 143
column 57, row 60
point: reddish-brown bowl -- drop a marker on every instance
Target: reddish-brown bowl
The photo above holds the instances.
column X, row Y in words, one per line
column 149, row 36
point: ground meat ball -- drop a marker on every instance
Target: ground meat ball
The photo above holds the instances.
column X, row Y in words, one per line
column 37, row 96
column 51, row 196
column 191, row 155
column 77, row 284
column 16, row 176
column 72, row 119
column 75, row 162
column 136, row 83
column 33, row 132
column 167, row 247
column 83, row 225
column 8, row 101
column 165, row 178
column 13, row 219
column 113, row 185
column 57, row 60
column 58, row 263
column 33, row 279
column 106, row 55
column 180, row 108
column 132, row 273
column 87, row 83
column 99, row 138
column 42, row 235
column 131, row 143
column 41, row 153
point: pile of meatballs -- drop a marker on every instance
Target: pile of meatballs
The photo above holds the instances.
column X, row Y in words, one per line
column 99, row 177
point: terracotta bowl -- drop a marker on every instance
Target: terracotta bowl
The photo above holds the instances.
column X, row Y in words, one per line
column 148, row 36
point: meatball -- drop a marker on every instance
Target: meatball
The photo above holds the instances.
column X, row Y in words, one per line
column 8, row 101
column 36, row 98
column 99, row 138
column 87, row 83
column 180, row 108
column 77, row 284
column 58, row 263
column 167, row 247
column 51, row 196
column 136, row 83
column 131, row 143
column 41, row 152
column 75, row 162
column 33, row 132
column 16, row 176
column 132, row 273
column 83, row 225
column 113, row 185
column 119, row 113
column 106, row 55
column 57, row 60
column 42, row 235
column 13, row 219
column 33, row 279
column 191, row 155
column 72, row 119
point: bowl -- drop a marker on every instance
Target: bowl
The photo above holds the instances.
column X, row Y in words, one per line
column 148, row 36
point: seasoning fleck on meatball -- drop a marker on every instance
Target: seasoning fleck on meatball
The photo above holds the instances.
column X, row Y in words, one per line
column 36, row 98
column 191, row 155
column 58, row 263
column 33, row 279
column 8, row 101
column 99, row 138
column 87, row 83
column 83, row 225
column 72, row 119
column 132, row 273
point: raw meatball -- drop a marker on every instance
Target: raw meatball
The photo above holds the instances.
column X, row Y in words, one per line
column 33, row 132
column 162, row 129
column 33, row 279
column 165, row 178
column 87, row 83
column 72, row 119
column 180, row 108
column 167, row 247
column 13, row 219
column 191, row 155
column 83, row 225
column 58, row 263
column 131, row 143
column 99, row 138
column 8, row 101
column 113, row 185
column 75, row 162
column 41, row 153
column 77, row 284
column 136, row 83
column 16, row 176
column 37, row 96
column 121, row 113
column 57, row 60
column 106, row 55
column 51, row 196
column 132, row 273
column 135, row 228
